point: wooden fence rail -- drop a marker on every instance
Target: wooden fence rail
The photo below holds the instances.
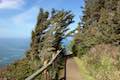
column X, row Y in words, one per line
column 39, row 71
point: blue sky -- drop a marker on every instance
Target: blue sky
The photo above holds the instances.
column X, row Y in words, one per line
column 18, row 17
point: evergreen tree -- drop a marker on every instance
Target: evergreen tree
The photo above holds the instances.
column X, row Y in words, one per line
column 37, row 37
column 103, row 17
column 100, row 24
column 60, row 21
column 48, row 34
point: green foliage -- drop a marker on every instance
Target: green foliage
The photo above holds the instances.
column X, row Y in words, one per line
column 48, row 33
column 19, row 70
column 100, row 24
column 60, row 21
column 47, row 36
column 45, row 42
column 97, row 39
column 70, row 45
column 101, row 14
column 82, row 69
column 102, row 62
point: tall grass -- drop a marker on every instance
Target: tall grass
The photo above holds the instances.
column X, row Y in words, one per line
column 103, row 62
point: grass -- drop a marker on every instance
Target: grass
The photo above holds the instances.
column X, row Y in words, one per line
column 18, row 71
column 102, row 62
column 83, row 71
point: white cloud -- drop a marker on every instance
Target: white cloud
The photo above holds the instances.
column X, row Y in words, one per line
column 19, row 25
column 25, row 22
column 11, row 4
column 27, row 17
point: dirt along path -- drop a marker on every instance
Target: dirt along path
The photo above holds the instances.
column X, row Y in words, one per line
column 72, row 70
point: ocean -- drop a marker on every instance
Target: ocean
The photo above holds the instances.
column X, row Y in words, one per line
column 12, row 49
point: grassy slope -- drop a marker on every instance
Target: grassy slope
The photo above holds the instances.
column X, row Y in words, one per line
column 82, row 69
column 102, row 62
column 19, row 70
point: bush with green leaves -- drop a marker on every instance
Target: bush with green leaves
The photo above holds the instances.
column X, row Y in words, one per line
column 103, row 62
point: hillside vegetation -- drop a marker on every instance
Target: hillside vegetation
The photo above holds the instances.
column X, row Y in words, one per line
column 46, row 40
column 97, row 42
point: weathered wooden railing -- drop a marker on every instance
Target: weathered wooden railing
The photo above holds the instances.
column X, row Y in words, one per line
column 53, row 61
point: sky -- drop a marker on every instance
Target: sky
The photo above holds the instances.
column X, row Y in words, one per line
column 18, row 17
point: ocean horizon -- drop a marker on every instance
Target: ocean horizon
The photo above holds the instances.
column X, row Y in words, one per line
column 12, row 49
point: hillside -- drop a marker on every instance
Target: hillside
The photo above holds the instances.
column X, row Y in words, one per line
column 95, row 44
column 46, row 41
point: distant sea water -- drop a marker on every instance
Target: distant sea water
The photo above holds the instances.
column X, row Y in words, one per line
column 12, row 49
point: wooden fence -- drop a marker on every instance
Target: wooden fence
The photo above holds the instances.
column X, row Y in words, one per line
column 45, row 67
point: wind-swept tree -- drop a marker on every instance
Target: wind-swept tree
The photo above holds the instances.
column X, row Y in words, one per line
column 37, row 36
column 60, row 21
column 49, row 32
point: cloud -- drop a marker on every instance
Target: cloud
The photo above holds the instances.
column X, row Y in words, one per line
column 27, row 17
column 11, row 4
column 19, row 25
column 25, row 22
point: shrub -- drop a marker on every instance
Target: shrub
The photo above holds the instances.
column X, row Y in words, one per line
column 103, row 61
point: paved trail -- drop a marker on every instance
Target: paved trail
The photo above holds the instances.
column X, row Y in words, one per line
column 72, row 70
